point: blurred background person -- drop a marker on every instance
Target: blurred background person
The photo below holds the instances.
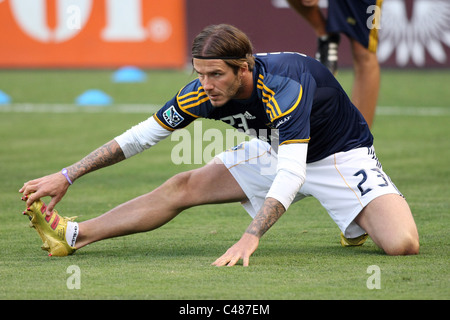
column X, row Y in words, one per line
column 359, row 21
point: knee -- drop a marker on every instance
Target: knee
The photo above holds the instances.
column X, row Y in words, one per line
column 178, row 184
column 177, row 188
column 363, row 58
column 406, row 245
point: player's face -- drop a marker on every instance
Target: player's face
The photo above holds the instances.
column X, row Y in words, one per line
column 218, row 80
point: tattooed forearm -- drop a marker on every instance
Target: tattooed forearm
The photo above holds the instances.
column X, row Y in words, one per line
column 270, row 212
column 106, row 155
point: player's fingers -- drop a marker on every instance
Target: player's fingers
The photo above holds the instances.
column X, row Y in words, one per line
column 219, row 262
column 233, row 261
column 28, row 187
column 223, row 260
column 52, row 204
column 32, row 197
column 245, row 261
column 21, row 190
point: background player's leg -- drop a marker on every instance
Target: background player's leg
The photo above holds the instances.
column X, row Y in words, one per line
column 366, row 84
column 212, row 183
column 389, row 222
column 312, row 14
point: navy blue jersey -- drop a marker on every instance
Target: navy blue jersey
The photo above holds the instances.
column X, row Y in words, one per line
column 293, row 95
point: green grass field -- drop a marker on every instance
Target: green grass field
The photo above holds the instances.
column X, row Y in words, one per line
column 299, row 258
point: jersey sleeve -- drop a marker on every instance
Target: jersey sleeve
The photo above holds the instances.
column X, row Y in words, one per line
column 289, row 108
column 291, row 173
column 141, row 137
column 190, row 103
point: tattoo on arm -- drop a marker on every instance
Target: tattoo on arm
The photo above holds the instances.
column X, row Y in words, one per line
column 108, row 154
column 270, row 212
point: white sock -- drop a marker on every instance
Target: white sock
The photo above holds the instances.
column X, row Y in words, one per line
column 71, row 233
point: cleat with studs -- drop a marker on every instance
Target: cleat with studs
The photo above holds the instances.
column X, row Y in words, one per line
column 51, row 229
column 353, row 242
column 327, row 51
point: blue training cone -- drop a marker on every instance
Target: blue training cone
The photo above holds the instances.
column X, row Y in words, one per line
column 94, row 97
column 4, row 98
column 129, row 74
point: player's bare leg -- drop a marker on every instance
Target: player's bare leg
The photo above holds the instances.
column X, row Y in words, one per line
column 366, row 84
column 390, row 224
column 212, row 183
column 312, row 14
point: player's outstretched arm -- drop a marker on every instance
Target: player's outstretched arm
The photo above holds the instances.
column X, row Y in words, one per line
column 244, row 248
column 56, row 184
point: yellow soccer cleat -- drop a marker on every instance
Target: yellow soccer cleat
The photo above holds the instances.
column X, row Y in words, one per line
column 353, row 242
column 51, row 229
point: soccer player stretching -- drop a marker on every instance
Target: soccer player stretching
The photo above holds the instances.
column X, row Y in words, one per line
column 310, row 141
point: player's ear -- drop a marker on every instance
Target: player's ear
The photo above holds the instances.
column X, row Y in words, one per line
column 244, row 68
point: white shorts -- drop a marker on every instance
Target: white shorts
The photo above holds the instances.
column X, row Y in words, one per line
column 344, row 183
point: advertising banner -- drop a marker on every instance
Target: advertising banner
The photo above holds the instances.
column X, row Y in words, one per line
column 158, row 34
column 412, row 33
column 92, row 33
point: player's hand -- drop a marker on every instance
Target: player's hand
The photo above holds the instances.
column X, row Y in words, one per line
column 54, row 185
column 242, row 249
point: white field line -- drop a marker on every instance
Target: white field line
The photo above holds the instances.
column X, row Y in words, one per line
column 151, row 108
column 73, row 108
column 413, row 111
